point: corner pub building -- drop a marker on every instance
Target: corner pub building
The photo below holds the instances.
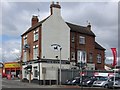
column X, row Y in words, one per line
column 77, row 42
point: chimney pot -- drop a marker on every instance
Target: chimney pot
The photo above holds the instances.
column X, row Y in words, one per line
column 54, row 5
column 34, row 20
column 89, row 26
column 57, row 3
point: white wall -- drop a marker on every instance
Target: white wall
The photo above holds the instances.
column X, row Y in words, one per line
column 51, row 71
column 32, row 75
column 55, row 31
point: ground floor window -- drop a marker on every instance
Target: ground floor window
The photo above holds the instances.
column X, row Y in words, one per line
column 99, row 58
column 72, row 55
column 90, row 57
column 81, row 56
column 35, row 72
column 25, row 73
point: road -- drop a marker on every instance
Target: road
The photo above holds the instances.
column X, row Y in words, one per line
column 7, row 84
column 18, row 84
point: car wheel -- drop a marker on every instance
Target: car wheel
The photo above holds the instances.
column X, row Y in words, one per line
column 106, row 86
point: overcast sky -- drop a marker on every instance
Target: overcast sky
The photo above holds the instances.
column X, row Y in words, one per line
column 16, row 17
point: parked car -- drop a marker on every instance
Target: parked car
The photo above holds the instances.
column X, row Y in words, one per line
column 102, row 82
column 76, row 80
column 89, row 82
column 73, row 81
column 112, row 84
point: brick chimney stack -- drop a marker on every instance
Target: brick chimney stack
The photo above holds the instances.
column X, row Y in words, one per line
column 54, row 5
column 34, row 20
column 89, row 26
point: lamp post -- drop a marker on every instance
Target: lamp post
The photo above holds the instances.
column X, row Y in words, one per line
column 29, row 67
column 80, row 65
column 57, row 47
column 60, row 65
column 81, row 75
column 20, row 74
column 39, row 67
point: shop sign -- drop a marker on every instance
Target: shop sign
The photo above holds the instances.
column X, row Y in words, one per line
column 12, row 65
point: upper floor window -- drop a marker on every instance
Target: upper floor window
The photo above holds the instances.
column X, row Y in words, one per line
column 35, row 51
column 35, row 35
column 25, row 73
column 24, row 56
column 25, row 39
column 81, row 56
column 35, row 72
column 72, row 55
column 99, row 58
column 73, row 39
column 82, row 40
column 90, row 57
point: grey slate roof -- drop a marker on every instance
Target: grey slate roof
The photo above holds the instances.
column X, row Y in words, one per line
column 80, row 29
column 73, row 27
column 35, row 26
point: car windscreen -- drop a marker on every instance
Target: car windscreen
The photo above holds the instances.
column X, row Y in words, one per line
column 103, row 79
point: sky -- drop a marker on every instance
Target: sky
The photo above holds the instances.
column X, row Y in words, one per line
column 16, row 19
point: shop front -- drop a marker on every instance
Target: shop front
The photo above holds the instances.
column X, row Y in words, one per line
column 11, row 70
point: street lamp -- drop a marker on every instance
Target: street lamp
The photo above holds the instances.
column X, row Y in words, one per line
column 39, row 67
column 57, row 47
column 60, row 65
column 29, row 67
column 20, row 73
column 80, row 64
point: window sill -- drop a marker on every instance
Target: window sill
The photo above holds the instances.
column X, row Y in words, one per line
column 82, row 43
column 98, row 63
column 90, row 62
column 35, row 40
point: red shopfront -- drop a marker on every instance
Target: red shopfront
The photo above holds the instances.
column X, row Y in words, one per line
column 12, row 69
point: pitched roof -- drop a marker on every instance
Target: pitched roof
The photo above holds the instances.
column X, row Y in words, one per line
column 73, row 27
column 81, row 29
column 98, row 46
column 35, row 26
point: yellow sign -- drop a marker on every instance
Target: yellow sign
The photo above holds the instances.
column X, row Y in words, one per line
column 12, row 65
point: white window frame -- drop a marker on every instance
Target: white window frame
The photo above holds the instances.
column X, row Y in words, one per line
column 25, row 73
column 81, row 56
column 73, row 39
column 34, row 74
column 81, row 39
column 36, row 34
column 99, row 58
column 24, row 56
column 35, row 51
column 90, row 57
column 25, row 40
column 72, row 55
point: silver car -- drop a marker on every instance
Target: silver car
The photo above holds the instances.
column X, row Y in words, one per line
column 114, row 84
column 101, row 82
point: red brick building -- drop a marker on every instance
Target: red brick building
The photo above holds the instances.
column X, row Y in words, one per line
column 94, row 52
column 77, row 45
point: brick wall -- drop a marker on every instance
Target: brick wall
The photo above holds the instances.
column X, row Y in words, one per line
column 31, row 42
column 89, row 47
